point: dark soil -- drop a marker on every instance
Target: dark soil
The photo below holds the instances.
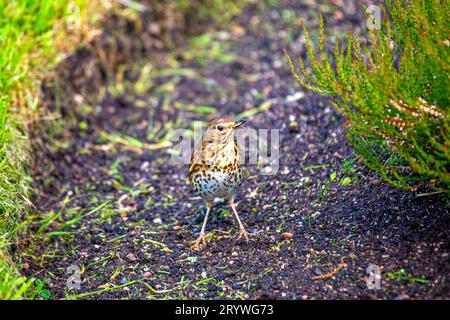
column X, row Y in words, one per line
column 323, row 209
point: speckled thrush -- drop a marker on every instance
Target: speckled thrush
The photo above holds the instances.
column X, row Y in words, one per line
column 216, row 170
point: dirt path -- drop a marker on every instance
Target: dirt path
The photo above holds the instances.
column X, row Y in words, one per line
column 128, row 213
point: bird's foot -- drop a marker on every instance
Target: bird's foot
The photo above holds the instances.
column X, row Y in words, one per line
column 196, row 245
column 243, row 234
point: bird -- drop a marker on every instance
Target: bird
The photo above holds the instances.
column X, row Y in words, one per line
column 215, row 169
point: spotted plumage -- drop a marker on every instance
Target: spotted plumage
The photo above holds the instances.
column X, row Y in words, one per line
column 216, row 170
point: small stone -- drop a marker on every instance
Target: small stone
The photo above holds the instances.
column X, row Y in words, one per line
column 237, row 30
column 204, row 275
column 295, row 97
column 338, row 15
column 158, row 286
column 234, row 254
column 353, row 256
column 315, row 214
column 157, row 221
column 277, row 64
column 145, row 165
column 84, row 255
column 123, row 280
column 78, row 98
column 131, row 257
column 154, row 28
column 147, row 274
column 287, row 235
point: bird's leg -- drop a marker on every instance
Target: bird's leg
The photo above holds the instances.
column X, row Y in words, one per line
column 243, row 232
column 201, row 238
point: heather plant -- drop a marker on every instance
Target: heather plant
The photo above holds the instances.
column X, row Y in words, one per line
column 392, row 90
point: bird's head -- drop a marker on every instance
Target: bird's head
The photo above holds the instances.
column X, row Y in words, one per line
column 222, row 129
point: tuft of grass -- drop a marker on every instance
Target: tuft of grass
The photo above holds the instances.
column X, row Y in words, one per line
column 30, row 38
column 13, row 286
column 402, row 275
column 394, row 91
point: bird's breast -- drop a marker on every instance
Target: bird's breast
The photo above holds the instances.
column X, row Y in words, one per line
column 216, row 181
column 215, row 170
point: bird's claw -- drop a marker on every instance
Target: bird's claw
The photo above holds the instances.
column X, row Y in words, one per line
column 243, row 234
column 196, row 245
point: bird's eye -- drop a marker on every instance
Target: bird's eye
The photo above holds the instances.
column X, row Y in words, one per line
column 220, row 128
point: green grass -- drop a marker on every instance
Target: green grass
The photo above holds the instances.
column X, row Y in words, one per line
column 402, row 275
column 13, row 286
column 28, row 40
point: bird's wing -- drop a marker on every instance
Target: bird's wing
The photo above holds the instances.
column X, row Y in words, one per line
column 195, row 157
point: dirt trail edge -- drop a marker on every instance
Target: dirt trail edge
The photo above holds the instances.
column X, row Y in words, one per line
column 119, row 216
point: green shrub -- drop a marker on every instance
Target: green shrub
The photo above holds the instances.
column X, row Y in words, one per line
column 393, row 91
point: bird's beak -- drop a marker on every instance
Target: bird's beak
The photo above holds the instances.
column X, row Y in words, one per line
column 239, row 122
